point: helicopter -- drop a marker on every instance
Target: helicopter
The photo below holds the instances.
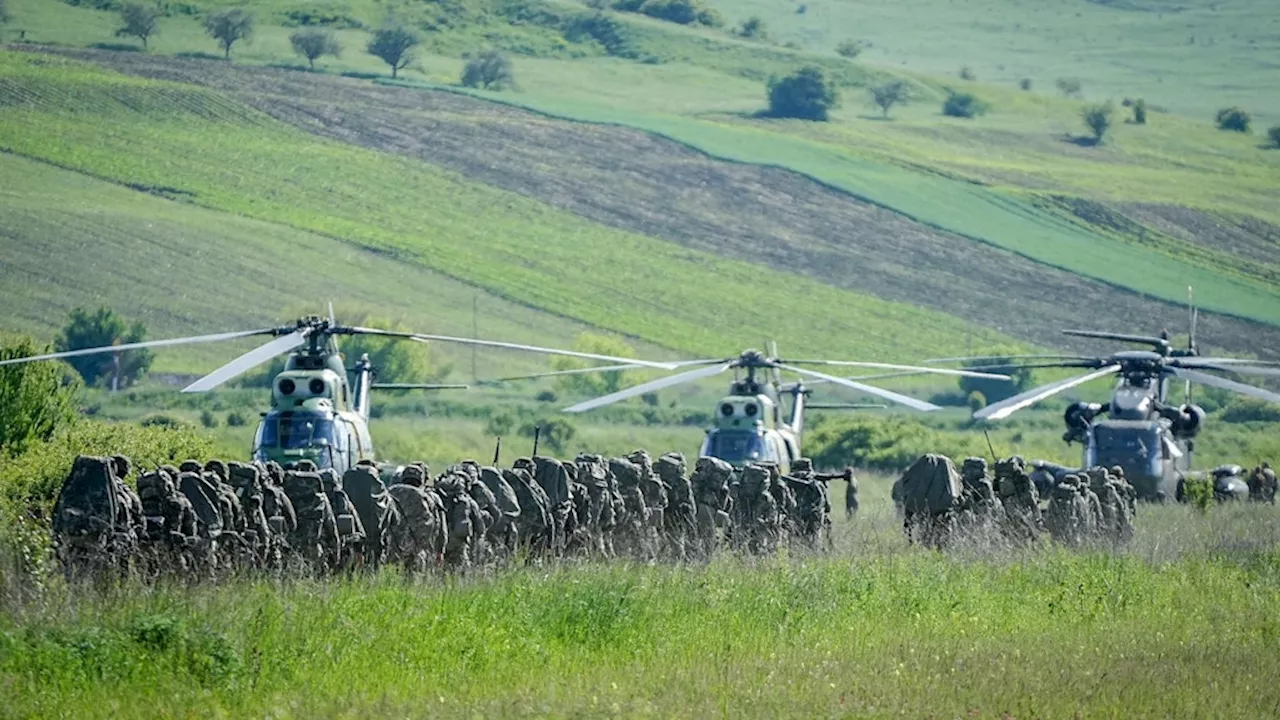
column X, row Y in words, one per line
column 750, row 424
column 1140, row 430
column 319, row 407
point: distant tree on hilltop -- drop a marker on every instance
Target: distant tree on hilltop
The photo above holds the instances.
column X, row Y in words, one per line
column 139, row 21
column 490, row 70
column 99, row 329
column 889, row 94
column 394, row 45
column 1098, row 119
column 806, row 94
column 315, row 43
column 229, row 27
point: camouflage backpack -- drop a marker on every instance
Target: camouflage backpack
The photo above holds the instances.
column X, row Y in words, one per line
column 87, row 505
column 931, row 485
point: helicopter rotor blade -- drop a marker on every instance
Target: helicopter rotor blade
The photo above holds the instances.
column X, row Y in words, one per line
column 1196, row 361
column 598, row 368
column 651, row 386
column 217, row 337
column 873, row 376
column 1120, row 337
column 1214, row 381
column 892, row 366
column 1240, row 369
column 868, row 389
column 250, row 360
column 1005, row 408
column 424, row 338
column 1002, row 359
column 417, row 386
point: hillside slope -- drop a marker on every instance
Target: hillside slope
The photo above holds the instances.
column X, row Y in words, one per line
column 645, row 184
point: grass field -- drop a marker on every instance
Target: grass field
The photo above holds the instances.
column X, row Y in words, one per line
column 1178, row 624
column 921, row 165
column 238, row 161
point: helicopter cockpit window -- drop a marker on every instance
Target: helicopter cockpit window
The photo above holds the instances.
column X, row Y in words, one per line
column 1137, row 448
column 297, row 431
column 736, row 447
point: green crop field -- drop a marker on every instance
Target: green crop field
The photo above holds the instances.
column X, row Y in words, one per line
column 1178, row 624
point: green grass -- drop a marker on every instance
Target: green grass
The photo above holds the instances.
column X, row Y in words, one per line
column 237, row 161
column 183, row 269
column 923, row 165
column 873, row 630
column 1117, row 48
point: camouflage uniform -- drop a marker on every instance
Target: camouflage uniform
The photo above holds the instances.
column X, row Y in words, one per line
column 1269, row 484
column 1023, row 520
column 1068, row 513
column 850, row 495
column 783, row 496
column 93, row 531
column 418, row 540
column 554, row 481
column 375, row 508
column 351, row 533
column 490, row 512
column 504, row 535
column 813, row 509
column 277, row 508
column 169, row 530
column 680, row 518
column 593, row 476
column 757, row 523
column 932, row 496
column 122, row 468
column 1116, row 525
column 654, row 492
column 316, row 538
column 982, row 510
column 710, row 483
column 535, row 525
column 634, row 532
column 247, row 485
column 462, row 518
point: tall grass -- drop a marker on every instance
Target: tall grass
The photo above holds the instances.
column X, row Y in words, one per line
column 875, row 629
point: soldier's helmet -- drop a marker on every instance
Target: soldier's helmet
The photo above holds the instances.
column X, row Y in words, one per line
column 1097, row 476
column 974, row 467
column 525, row 464
column 217, row 467
column 306, row 466
column 642, row 458
column 802, row 465
column 412, row 475
column 451, row 485
column 244, row 474
column 329, row 480
column 122, row 466
column 190, row 466
column 1117, row 471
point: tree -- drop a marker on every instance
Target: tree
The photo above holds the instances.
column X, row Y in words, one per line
column 1234, row 119
column 594, row 384
column 490, row 70
column 889, row 94
column 963, row 105
column 1098, row 119
column 850, row 48
column 1025, row 84
column 394, row 46
column 396, row 361
column 966, row 73
column 1139, row 112
column 554, row 433
column 753, row 28
column 1069, row 87
column 138, row 21
column 315, row 43
column 1274, row 135
column 37, row 398
column 229, row 27
column 806, row 95
column 100, row 329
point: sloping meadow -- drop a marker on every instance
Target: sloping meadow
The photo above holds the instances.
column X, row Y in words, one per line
column 201, row 147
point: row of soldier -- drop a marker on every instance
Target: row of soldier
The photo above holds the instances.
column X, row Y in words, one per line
column 941, row 505
column 201, row 520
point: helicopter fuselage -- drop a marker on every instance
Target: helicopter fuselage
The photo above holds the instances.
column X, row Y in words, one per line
column 748, row 428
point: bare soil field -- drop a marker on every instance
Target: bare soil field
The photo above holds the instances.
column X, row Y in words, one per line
column 635, row 181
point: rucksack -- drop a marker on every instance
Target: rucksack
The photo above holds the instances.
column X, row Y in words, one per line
column 932, row 485
column 87, row 502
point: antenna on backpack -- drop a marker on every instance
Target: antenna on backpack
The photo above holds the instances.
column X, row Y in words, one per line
column 497, row 452
column 537, row 435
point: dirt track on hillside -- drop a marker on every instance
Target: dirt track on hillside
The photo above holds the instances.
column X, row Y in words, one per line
column 634, row 181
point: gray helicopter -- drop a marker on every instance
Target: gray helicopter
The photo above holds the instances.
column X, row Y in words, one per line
column 1140, row 430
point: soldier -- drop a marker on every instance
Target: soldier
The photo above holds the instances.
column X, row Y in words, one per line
column 813, row 510
column 534, row 525
column 316, row 538
column 504, row 535
column 850, row 495
column 481, row 551
column 169, row 529
column 680, row 518
column 92, row 528
column 204, row 497
column 710, row 483
column 981, row 509
column 1115, row 525
column 554, row 481
column 1127, row 491
column 418, row 540
column 653, row 491
column 351, row 532
column 932, row 494
column 1269, row 484
column 593, row 477
column 122, row 468
column 281, row 516
column 784, row 497
column 757, row 522
column 247, row 485
column 1023, row 521
column 634, row 532
column 232, row 513
column 462, row 518
column 1093, row 519
column 1068, row 512
column 375, row 508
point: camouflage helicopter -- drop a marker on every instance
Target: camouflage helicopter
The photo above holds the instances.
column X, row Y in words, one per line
column 750, row 424
column 319, row 407
column 1141, row 430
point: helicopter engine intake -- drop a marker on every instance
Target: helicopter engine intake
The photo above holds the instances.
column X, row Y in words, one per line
column 1078, row 417
column 1187, row 420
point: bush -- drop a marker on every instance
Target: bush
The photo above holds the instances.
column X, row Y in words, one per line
column 806, row 95
column 963, row 105
column 966, row 73
column 547, row 396
column 554, row 434
column 683, row 12
column 1139, row 112
column 977, row 401
column 1069, row 87
column 1025, row 84
column 235, row 419
column 208, row 419
column 37, row 398
column 1098, row 119
column 100, row 329
column 850, row 48
column 1244, row 409
column 1234, row 119
column 1274, row 135
column 500, row 424
column 490, row 70
column 604, row 29
column 753, row 28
